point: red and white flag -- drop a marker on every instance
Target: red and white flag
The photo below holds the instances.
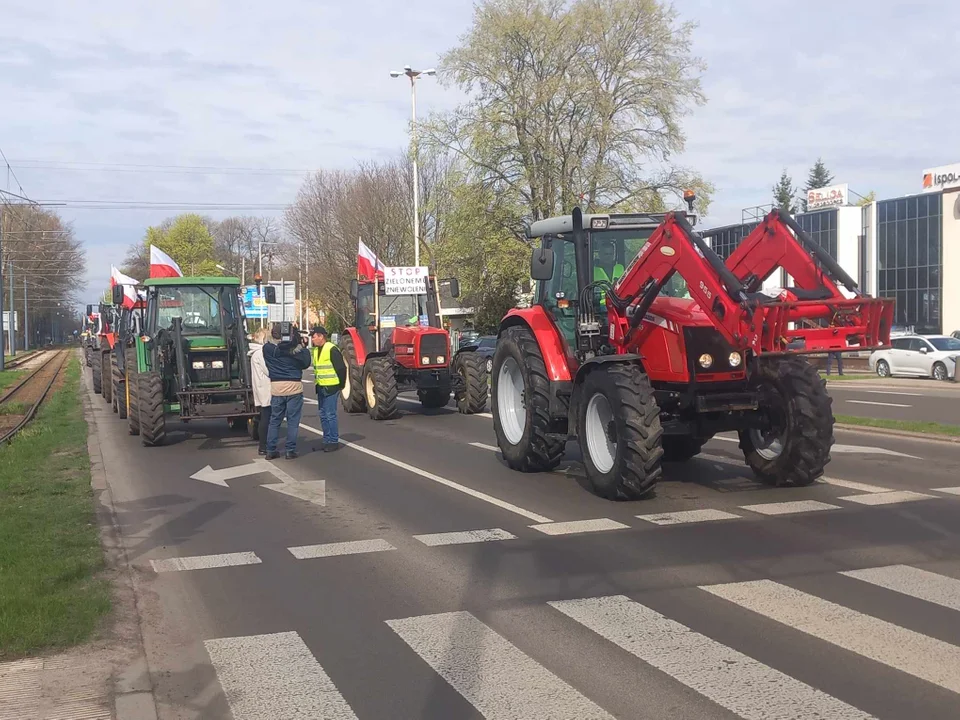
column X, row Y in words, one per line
column 129, row 286
column 368, row 266
column 162, row 265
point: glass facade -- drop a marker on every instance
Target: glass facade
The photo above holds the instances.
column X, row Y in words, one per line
column 822, row 227
column 726, row 239
column 910, row 259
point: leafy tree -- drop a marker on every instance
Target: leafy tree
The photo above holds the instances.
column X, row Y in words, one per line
column 867, row 199
column 186, row 238
column 784, row 194
column 819, row 177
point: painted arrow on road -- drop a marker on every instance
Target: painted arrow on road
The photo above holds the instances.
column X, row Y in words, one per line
column 313, row 491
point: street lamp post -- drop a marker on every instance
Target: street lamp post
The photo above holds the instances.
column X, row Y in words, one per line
column 414, row 75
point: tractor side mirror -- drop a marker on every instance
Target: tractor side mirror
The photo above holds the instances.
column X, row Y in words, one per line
column 354, row 289
column 270, row 293
column 118, row 295
column 454, row 288
column 541, row 264
column 89, row 310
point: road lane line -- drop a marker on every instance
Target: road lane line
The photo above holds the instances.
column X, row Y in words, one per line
column 730, row 679
column 497, row 678
column 353, row 547
column 579, row 526
column 688, row 516
column 465, row 537
column 911, row 652
column 707, row 457
column 484, row 446
column 851, row 485
column 948, row 490
column 441, row 480
column 881, row 404
column 891, row 497
column 205, row 562
column 265, row 677
column 917, row 583
column 890, row 392
column 789, row 507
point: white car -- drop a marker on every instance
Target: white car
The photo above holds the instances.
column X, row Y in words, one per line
column 918, row 355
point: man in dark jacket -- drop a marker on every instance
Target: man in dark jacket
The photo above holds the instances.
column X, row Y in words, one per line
column 286, row 359
column 330, row 375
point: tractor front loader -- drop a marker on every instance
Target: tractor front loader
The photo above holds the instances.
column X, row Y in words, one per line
column 643, row 344
column 190, row 358
column 397, row 343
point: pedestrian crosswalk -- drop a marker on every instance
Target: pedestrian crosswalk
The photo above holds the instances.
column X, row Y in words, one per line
column 506, row 678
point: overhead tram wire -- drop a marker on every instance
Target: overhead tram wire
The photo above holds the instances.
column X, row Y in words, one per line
column 147, row 168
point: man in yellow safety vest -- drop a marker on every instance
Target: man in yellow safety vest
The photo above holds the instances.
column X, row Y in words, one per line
column 330, row 375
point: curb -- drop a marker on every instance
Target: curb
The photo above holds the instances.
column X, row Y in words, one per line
column 133, row 688
column 909, row 434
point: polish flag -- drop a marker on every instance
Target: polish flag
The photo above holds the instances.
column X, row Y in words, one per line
column 129, row 286
column 162, row 265
column 367, row 263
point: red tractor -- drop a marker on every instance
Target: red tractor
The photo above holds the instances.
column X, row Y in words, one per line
column 397, row 343
column 643, row 344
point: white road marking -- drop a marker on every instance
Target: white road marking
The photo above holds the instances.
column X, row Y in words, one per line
column 354, row 547
column 483, row 446
column 917, row 583
column 725, row 438
column 851, row 485
column 497, row 678
column 919, row 655
column 486, row 415
column 465, row 537
column 719, row 459
column 688, row 516
column 205, row 562
column 268, row 677
column 789, row 507
column 881, row 404
column 579, row 526
column 889, row 392
column 891, row 497
column 220, row 477
column 838, row 448
column 729, row 678
column 313, row 491
column 309, row 401
column 948, row 490
column 441, row 480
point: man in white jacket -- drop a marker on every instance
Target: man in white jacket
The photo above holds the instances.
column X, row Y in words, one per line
column 261, row 385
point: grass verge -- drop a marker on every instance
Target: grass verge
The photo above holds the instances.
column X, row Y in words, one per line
column 50, row 554
column 931, row 428
column 8, row 377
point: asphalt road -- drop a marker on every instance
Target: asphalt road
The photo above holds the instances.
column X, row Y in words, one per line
column 430, row 581
column 897, row 399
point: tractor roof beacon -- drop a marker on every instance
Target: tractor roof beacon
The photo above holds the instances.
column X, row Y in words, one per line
column 190, row 357
column 643, row 344
column 397, row 343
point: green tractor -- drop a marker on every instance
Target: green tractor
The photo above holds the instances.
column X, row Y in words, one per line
column 190, row 357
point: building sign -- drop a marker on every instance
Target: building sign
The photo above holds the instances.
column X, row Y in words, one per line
column 945, row 177
column 827, row 197
column 405, row 280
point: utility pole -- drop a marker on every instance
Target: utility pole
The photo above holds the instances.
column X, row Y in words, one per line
column 13, row 338
column 2, row 348
column 26, row 319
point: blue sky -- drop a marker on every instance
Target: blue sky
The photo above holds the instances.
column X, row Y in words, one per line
column 872, row 87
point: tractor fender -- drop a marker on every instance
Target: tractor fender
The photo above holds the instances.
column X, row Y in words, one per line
column 552, row 345
column 588, row 367
column 359, row 348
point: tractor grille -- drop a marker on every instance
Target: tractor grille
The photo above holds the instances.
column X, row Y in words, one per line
column 207, row 373
column 700, row 340
column 433, row 345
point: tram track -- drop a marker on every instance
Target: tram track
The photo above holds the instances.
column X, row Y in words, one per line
column 20, row 402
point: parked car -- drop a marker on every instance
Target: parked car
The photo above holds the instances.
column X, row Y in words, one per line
column 918, row 356
column 486, row 345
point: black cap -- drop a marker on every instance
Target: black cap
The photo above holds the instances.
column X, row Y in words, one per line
column 319, row 330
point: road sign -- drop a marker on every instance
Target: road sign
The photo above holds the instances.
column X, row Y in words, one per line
column 254, row 305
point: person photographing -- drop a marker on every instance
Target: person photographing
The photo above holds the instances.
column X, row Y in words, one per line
column 330, row 375
column 286, row 359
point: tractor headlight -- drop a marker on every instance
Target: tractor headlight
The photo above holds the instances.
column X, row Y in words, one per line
column 425, row 360
column 706, row 361
column 217, row 364
column 734, row 359
column 198, row 364
column 440, row 359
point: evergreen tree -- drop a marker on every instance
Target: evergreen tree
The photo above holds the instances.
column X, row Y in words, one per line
column 819, row 177
column 784, row 194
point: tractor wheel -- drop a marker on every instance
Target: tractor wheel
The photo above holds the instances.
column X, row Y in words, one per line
column 352, row 394
column 433, row 398
column 380, row 388
column 680, row 448
column 97, row 372
column 795, row 446
column 132, row 389
column 153, row 429
column 618, row 425
column 119, row 390
column 521, row 402
column 253, row 428
column 473, row 369
column 106, row 378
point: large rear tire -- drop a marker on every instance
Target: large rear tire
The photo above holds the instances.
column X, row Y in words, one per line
column 153, row 430
column 119, row 389
column 433, row 398
column 96, row 370
column 106, row 378
column 521, row 403
column 796, row 447
column 351, row 397
column 133, row 405
column 380, row 388
column 472, row 368
column 618, row 424
column 680, row 448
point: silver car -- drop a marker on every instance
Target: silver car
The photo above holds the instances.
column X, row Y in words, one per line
column 918, row 356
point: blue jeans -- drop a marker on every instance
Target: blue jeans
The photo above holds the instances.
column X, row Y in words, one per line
column 328, row 416
column 290, row 406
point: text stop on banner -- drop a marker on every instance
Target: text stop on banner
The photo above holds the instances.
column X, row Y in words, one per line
column 405, row 280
